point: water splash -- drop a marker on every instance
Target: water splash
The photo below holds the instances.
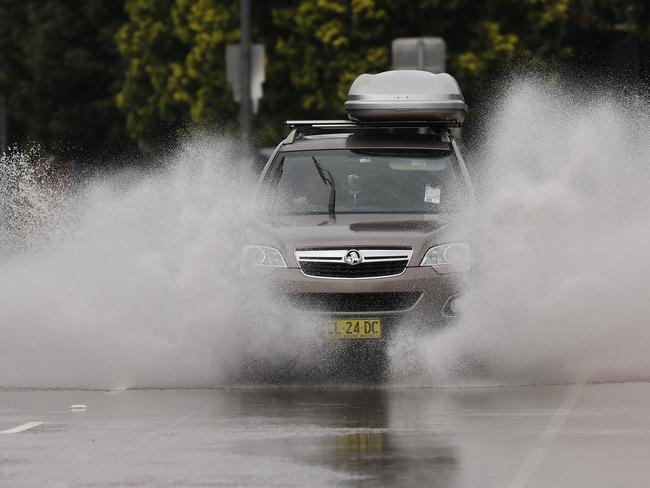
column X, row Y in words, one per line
column 128, row 280
column 31, row 201
column 136, row 287
column 562, row 293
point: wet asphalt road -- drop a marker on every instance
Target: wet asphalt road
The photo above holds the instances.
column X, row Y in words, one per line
column 552, row 436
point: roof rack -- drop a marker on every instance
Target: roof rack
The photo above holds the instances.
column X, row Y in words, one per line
column 314, row 127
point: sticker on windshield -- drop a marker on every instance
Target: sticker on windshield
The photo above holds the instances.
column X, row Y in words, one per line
column 431, row 194
column 365, row 160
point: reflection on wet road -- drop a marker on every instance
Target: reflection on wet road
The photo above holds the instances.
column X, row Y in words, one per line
column 573, row 436
column 358, row 437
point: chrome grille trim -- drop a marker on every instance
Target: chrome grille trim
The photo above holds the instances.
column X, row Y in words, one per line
column 369, row 256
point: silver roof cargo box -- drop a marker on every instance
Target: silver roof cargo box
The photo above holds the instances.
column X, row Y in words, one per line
column 406, row 95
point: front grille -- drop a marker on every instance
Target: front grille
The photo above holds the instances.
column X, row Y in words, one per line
column 363, row 270
column 369, row 262
column 353, row 302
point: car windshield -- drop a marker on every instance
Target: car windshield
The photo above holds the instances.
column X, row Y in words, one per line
column 366, row 181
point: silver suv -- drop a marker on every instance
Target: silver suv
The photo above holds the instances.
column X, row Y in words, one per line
column 360, row 221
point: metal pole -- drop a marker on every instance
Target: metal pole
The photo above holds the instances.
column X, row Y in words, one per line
column 3, row 125
column 246, row 106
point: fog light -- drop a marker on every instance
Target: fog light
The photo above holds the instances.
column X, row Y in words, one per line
column 452, row 307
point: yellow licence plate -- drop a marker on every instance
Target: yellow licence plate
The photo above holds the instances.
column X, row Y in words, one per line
column 355, row 329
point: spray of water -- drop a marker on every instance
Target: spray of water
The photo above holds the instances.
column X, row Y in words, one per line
column 131, row 281
column 31, row 202
column 562, row 292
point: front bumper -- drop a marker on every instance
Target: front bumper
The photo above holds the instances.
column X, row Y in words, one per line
column 417, row 296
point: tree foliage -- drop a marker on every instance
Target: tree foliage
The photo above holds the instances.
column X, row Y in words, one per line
column 607, row 15
column 175, row 51
column 327, row 43
column 67, row 66
column 59, row 73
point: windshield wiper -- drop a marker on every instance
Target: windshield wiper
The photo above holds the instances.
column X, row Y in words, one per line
column 328, row 179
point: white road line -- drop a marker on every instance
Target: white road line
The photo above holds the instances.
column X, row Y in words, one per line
column 535, row 457
column 21, row 428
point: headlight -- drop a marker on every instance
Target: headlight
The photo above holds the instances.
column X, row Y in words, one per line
column 255, row 256
column 449, row 258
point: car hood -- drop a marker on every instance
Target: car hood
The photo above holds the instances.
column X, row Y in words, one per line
column 288, row 233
